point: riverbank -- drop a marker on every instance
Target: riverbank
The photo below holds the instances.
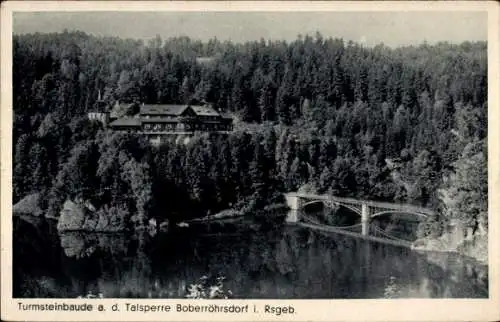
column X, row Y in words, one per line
column 233, row 215
column 79, row 216
column 475, row 247
column 221, row 216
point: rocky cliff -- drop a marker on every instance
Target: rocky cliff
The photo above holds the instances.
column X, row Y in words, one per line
column 78, row 216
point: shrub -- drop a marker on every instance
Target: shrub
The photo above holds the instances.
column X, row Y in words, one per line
column 207, row 288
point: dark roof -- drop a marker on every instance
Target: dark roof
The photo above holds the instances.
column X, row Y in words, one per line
column 158, row 109
column 204, row 110
column 126, row 121
column 200, row 110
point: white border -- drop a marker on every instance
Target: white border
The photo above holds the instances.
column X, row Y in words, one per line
column 307, row 310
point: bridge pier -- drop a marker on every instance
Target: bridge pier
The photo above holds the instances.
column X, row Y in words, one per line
column 293, row 216
column 293, row 202
column 365, row 219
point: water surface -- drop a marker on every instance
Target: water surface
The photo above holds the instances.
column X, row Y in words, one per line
column 281, row 261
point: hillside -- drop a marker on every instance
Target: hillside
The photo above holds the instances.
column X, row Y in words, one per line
column 322, row 112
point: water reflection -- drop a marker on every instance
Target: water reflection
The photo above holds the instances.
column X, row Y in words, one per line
column 289, row 262
column 79, row 244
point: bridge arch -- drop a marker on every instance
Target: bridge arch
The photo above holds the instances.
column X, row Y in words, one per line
column 366, row 209
column 329, row 203
column 385, row 212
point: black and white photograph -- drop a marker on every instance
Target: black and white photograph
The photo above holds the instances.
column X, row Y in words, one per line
column 237, row 155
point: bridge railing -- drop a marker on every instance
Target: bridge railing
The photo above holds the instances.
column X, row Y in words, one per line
column 370, row 203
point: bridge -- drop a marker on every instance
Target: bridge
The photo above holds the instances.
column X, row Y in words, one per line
column 366, row 209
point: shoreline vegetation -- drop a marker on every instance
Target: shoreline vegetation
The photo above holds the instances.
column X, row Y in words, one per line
column 74, row 220
column 83, row 217
column 405, row 124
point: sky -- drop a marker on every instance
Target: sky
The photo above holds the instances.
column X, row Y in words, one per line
column 369, row 28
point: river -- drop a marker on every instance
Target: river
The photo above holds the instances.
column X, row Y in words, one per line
column 266, row 261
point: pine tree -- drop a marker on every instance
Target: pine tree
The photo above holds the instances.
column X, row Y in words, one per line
column 225, row 193
column 295, row 178
column 283, row 99
column 21, row 167
column 270, row 145
column 196, row 172
column 314, row 157
column 185, row 90
column 258, row 174
column 266, row 103
column 38, row 168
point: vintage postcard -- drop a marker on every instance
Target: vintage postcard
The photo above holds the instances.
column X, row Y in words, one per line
column 250, row 161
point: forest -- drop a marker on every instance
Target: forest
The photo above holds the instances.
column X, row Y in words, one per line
column 405, row 124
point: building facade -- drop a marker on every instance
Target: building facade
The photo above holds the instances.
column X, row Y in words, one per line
column 160, row 121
